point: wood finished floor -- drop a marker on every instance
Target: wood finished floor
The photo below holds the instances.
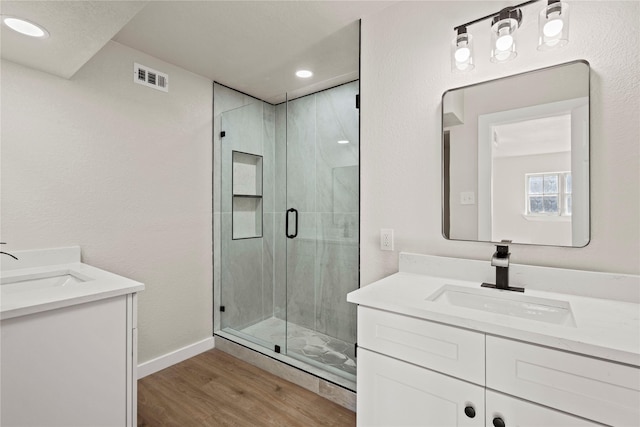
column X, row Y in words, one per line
column 216, row 389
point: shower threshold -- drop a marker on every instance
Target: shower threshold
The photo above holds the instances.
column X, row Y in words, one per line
column 316, row 353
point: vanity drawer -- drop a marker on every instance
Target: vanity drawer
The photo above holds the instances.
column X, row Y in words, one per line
column 450, row 350
column 595, row 389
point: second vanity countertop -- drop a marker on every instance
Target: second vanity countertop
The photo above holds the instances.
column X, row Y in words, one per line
column 604, row 328
column 70, row 282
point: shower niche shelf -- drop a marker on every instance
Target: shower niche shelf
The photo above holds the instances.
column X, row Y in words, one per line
column 247, row 196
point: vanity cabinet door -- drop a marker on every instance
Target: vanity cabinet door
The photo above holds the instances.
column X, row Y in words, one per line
column 511, row 412
column 396, row 393
column 69, row 367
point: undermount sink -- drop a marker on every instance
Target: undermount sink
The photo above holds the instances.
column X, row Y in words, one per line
column 47, row 280
column 507, row 303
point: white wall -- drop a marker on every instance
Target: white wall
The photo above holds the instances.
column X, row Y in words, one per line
column 405, row 70
column 122, row 170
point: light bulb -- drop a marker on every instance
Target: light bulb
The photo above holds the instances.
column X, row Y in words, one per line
column 462, row 54
column 462, row 51
column 553, row 27
column 504, row 42
column 503, row 34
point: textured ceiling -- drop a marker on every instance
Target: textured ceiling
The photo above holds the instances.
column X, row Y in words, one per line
column 255, row 46
column 535, row 136
column 78, row 30
column 252, row 46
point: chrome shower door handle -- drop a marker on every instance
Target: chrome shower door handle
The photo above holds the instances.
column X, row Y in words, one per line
column 291, row 236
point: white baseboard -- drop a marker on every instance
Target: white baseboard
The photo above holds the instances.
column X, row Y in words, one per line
column 177, row 356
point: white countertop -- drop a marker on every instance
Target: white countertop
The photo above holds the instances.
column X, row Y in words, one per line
column 19, row 299
column 605, row 328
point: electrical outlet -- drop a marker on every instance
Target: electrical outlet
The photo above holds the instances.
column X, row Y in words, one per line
column 386, row 239
column 467, row 198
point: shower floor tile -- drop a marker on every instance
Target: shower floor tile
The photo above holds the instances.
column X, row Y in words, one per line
column 307, row 343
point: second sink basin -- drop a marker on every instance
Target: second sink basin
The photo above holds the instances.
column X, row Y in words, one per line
column 506, row 302
column 50, row 279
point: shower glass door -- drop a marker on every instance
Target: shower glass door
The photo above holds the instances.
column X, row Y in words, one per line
column 252, row 302
column 288, row 227
column 321, row 227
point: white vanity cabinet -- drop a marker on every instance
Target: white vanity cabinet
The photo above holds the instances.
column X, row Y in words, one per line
column 414, row 372
column 507, row 410
column 596, row 389
column 433, row 344
column 396, row 393
column 71, row 366
column 408, row 372
column 68, row 353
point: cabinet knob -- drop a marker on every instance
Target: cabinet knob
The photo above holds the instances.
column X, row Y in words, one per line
column 498, row 422
column 469, row 411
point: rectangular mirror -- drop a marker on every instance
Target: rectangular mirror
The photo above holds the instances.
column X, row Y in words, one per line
column 515, row 158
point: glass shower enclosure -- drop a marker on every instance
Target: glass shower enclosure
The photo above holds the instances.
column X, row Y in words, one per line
column 286, row 189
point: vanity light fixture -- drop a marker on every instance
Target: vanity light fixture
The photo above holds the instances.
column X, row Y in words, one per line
column 503, row 37
column 462, row 51
column 553, row 25
column 25, row 27
column 304, row 74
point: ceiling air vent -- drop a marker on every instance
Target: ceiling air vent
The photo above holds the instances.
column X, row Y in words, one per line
column 149, row 77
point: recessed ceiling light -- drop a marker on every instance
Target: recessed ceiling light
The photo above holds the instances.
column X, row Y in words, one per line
column 25, row 27
column 305, row 74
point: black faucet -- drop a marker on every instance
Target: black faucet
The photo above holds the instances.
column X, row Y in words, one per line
column 500, row 260
column 7, row 253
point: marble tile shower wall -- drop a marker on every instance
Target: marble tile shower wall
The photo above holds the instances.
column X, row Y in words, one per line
column 304, row 280
column 322, row 184
column 245, row 285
